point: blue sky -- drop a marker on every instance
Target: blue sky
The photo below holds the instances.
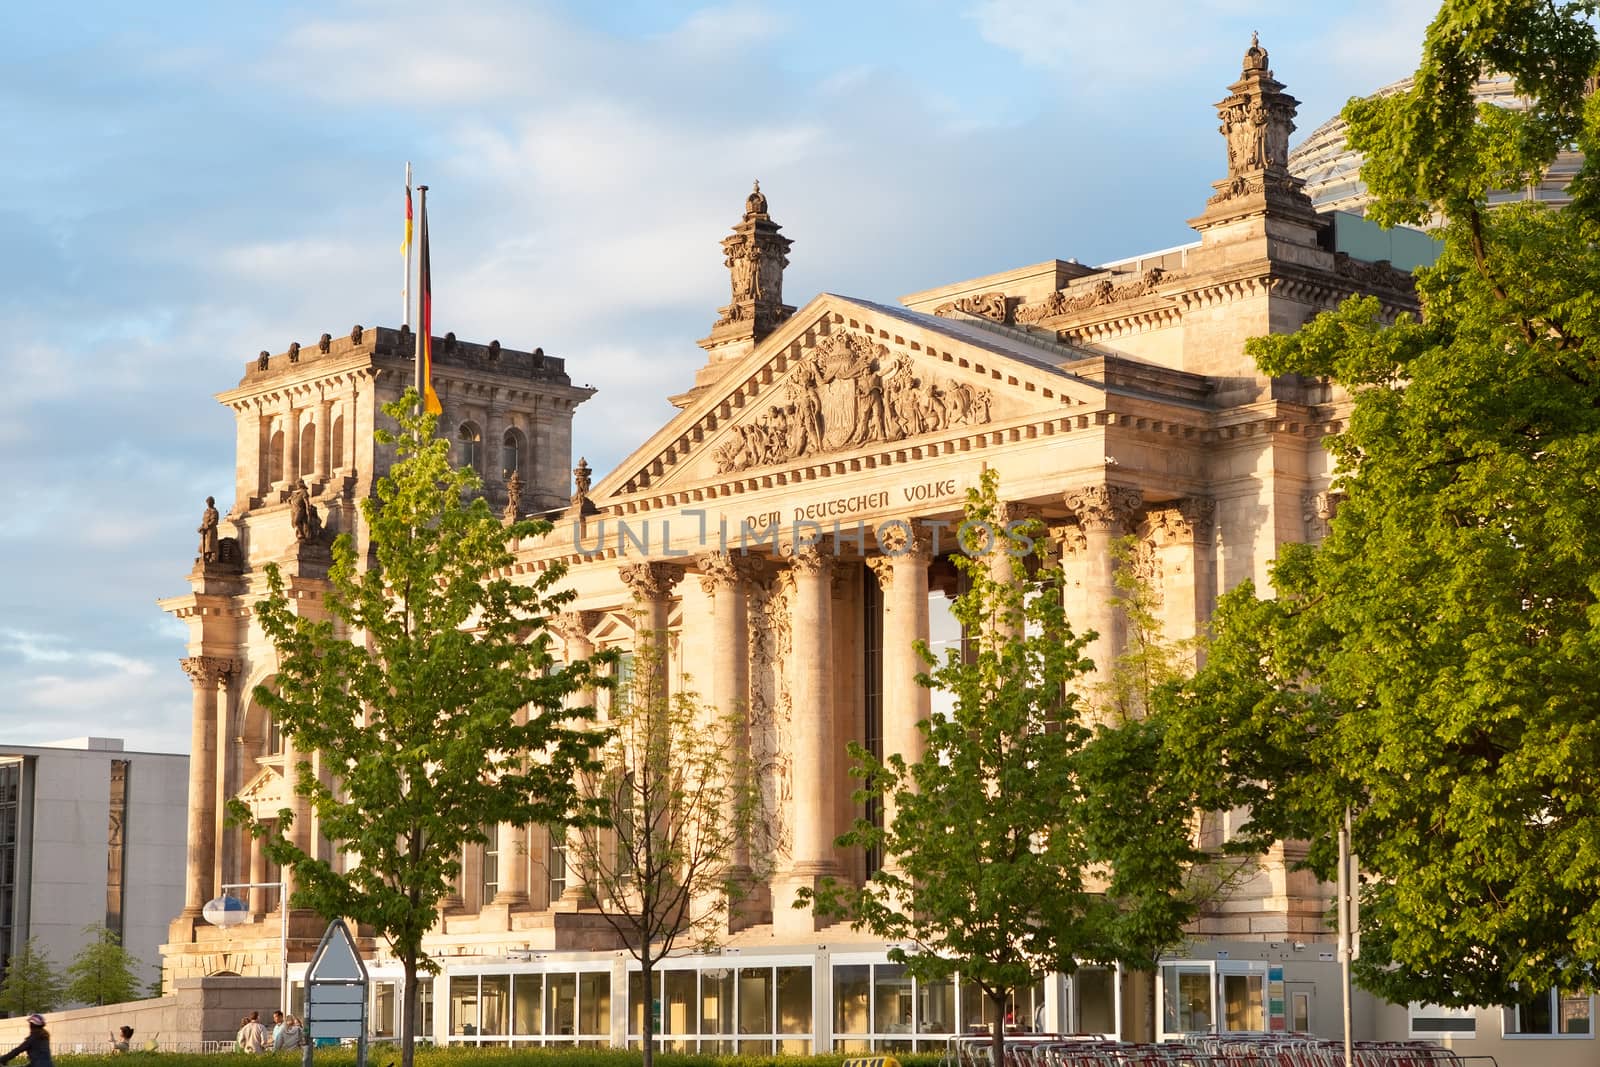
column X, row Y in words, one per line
column 193, row 182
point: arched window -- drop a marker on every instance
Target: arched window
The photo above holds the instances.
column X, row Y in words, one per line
column 308, row 449
column 512, row 450
column 275, row 459
column 336, row 445
column 470, row 439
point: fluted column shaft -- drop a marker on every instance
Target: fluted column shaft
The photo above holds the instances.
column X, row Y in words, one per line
column 258, row 876
column 207, row 674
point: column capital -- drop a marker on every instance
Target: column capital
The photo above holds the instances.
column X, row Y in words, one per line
column 574, row 625
column 725, row 570
column 1068, row 538
column 1103, row 507
column 651, row 581
column 810, row 560
column 905, row 540
column 1184, row 522
column 207, row 671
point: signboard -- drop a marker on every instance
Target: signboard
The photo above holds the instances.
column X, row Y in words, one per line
column 336, row 992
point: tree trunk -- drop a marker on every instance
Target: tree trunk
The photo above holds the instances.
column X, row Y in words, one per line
column 408, row 1012
column 648, row 1027
column 997, row 1029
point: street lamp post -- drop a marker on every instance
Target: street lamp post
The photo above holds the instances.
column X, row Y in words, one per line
column 228, row 912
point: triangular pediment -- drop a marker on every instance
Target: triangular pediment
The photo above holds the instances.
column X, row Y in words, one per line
column 265, row 794
column 844, row 376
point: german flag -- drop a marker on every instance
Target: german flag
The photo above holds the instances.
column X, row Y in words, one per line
column 430, row 399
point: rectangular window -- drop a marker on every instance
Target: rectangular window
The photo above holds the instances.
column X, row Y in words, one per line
column 1431, row 1020
column 490, row 881
column 1552, row 1013
column 556, row 862
column 1094, row 1001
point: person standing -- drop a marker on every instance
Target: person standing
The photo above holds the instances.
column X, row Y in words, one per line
column 252, row 1035
column 36, row 1046
column 277, row 1031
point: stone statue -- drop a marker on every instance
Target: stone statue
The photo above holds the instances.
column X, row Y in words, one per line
column 580, row 482
column 756, row 202
column 513, row 497
column 741, row 262
column 303, row 514
column 1256, row 57
column 208, row 531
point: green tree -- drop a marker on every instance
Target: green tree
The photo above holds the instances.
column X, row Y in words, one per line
column 424, row 685
column 661, row 867
column 995, row 864
column 103, row 972
column 1432, row 664
column 31, row 982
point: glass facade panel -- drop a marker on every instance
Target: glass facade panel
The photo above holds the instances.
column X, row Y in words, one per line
column 464, row 1006
column 852, row 990
column 977, row 1013
column 636, row 1001
column 716, row 1004
column 385, row 1021
column 561, row 1004
column 892, row 999
column 424, row 1007
column 527, row 1004
column 594, row 1003
column 1242, row 1003
column 936, row 1006
column 494, row 994
column 755, row 1001
column 678, row 1014
column 794, row 1000
column 1094, row 991
column 1186, row 1006
column 755, row 1048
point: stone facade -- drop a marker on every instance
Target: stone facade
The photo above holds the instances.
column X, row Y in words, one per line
column 784, row 530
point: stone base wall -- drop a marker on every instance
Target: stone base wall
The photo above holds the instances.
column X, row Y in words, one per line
column 199, row 1012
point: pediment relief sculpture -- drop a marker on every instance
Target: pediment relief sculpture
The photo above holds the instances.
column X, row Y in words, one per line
column 846, row 392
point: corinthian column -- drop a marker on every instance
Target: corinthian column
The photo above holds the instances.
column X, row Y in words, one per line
column 722, row 577
column 207, row 674
column 904, row 576
column 574, row 629
column 1104, row 513
column 813, row 815
column 652, row 585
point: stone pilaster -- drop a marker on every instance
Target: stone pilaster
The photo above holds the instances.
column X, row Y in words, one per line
column 1181, row 539
column 324, row 438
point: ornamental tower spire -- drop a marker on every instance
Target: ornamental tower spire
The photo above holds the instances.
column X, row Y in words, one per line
column 1257, row 117
column 755, row 254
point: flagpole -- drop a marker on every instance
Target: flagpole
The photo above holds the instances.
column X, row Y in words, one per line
column 405, row 282
column 423, row 327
